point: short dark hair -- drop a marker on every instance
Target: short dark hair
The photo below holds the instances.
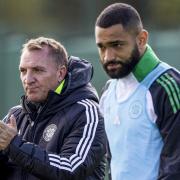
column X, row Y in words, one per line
column 120, row 13
column 56, row 49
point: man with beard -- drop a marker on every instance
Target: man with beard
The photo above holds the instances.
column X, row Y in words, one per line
column 140, row 102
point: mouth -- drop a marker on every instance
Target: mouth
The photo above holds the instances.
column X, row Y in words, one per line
column 31, row 90
column 112, row 66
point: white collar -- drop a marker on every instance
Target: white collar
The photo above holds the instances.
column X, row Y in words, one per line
column 125, row 87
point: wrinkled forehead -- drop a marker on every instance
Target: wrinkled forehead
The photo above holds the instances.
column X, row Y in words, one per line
column 36, row 58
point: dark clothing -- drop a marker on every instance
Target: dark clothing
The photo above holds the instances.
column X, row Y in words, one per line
column 63, row 138
column 165, row 93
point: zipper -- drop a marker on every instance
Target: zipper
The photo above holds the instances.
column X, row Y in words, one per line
column 28, row 137
column 36, row 121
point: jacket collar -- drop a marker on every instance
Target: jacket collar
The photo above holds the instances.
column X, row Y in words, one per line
column 146, row 64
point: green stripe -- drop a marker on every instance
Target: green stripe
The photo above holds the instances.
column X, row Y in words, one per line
column 170, row 85
column 60, row 87
column 169, row 94
column 176, row 87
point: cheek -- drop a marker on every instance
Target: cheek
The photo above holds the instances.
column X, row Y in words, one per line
column 51, row 83
column 100, row 52
column 101, row 55
column 123, row 54
column 21, row 77
column 22, row 81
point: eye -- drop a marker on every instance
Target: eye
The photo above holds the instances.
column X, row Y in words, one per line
column 101, row 47
column 22, row 70
column 117, row 44
column 38, row 70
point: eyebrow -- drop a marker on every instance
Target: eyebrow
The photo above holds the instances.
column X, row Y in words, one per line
column 34, row 67
column 111, row 43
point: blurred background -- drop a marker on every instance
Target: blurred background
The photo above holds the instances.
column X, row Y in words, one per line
column 72, row 23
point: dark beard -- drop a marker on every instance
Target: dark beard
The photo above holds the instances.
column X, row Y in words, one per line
column 126, row 67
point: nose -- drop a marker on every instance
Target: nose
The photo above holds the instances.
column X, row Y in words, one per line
column 29, row 78
column 109, row 54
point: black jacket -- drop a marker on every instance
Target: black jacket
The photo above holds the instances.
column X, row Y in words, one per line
column 62, row 139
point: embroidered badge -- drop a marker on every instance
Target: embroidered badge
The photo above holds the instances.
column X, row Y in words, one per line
column 135, row 109
column 49, row 132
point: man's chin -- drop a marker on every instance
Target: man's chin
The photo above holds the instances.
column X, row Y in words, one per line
column 117, row 75
column 33, row 99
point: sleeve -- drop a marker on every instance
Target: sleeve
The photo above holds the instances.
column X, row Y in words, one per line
column 166, row 98
column 81, row 153
column 16, row 110
column 3, row 165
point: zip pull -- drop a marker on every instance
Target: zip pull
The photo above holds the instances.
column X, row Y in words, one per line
column 32, row 123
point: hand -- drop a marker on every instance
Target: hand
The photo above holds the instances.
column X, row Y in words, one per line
column 7, row 132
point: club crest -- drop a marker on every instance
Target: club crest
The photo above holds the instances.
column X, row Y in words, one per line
column 49, row 132
column 135, row 109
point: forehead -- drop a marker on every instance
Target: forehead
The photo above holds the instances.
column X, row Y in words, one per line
column 113, row 33
column 35, row 58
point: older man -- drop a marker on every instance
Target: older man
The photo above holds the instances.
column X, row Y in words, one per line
column 57, row 132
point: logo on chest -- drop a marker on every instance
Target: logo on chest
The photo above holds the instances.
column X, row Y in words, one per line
column 49, row 132
column 135, row 109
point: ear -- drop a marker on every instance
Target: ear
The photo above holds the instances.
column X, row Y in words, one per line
column 142, row 39
column 62, row 71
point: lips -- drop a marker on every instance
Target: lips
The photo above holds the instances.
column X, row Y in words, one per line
column 31, row 90
column 113, row 66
